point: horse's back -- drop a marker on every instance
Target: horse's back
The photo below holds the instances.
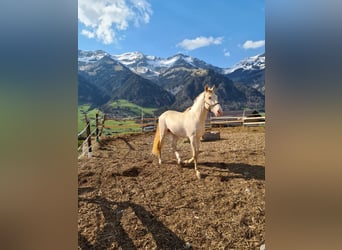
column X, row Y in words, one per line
column 172, row 117
column 171, row 113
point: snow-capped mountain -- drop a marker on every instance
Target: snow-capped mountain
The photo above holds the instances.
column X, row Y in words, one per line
column 250, row 71
column 102, row 78
column 151, row 66
column 251, row 63
column 144, row 65
column 91, row 56
column 147, row 66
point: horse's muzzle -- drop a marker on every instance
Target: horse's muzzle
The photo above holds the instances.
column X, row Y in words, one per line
column 219, row 112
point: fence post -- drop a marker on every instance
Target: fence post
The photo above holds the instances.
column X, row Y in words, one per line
column 142, row 121
column 155, row 122
column 97, row 127
column 88, row 136
column 103, row 121
column 244, row 117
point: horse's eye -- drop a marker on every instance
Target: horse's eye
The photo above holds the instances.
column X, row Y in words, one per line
column 209, row 97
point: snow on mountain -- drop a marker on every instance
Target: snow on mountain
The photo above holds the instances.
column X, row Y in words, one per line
column 178, row 58
column 250, row 71
column 251, row 63
column 91, row 56
column 129, row 58
column 136, row 59
column 141, row 64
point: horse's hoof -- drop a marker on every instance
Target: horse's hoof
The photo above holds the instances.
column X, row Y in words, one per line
column 187, row 161
column 198, row 174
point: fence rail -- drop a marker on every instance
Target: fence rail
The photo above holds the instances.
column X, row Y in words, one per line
column 227, row 121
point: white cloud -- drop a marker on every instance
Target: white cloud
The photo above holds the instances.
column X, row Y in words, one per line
column 226, row 52
column 88, row 33
column 249, row 44
column 104, row 19
column 199, row 42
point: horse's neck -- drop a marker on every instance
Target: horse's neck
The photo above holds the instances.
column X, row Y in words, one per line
column 198, row 109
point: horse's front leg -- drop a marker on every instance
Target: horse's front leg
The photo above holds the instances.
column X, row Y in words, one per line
column 194, row 142
column 196, row 145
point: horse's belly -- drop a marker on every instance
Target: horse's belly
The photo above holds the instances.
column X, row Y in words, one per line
column 177, row 130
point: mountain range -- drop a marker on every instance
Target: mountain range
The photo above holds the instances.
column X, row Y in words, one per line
column 167, row 83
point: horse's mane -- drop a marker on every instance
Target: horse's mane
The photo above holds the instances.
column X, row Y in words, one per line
column 195, row 101
column 187, row 110
column 198, row 98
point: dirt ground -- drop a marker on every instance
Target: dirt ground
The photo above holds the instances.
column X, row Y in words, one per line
column 127, row 201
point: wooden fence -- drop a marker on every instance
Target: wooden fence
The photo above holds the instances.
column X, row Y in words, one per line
column 147, row 124
column 232, row 121
column 119, row 126
column 128, row 125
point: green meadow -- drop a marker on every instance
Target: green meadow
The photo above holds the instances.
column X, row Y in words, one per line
column 91, row 114
column 118, row 105
column 136, row 109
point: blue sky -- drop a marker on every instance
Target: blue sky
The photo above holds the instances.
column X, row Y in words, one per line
column 220, row 32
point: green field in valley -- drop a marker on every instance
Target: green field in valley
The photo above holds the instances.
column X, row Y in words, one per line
column 136, row 109
column 123, row 105
column 91, row 114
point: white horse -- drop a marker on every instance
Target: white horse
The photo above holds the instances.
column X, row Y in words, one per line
column 189, row 123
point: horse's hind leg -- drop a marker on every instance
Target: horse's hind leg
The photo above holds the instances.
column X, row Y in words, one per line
column 189, row 161
column 192, row 158
column 174, row 148
column 192, row 141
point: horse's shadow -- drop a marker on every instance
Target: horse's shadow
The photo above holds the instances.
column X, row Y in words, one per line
column 241, row 170
column 164, row 237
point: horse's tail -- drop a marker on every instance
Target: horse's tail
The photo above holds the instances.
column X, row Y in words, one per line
column 156, row 143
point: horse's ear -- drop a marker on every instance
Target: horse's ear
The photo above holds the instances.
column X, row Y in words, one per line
column 206, row 87
column 213, row 88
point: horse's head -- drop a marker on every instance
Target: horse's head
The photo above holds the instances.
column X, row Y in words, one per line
column 211, row 101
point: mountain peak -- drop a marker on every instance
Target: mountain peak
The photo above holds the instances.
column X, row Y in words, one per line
column 250, row 63
column 91, row 56
column 129, row 56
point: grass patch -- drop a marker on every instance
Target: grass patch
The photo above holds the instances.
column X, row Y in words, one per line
column 123, row 127
column 128, row 126
column 91, row 114
column 136, row 109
